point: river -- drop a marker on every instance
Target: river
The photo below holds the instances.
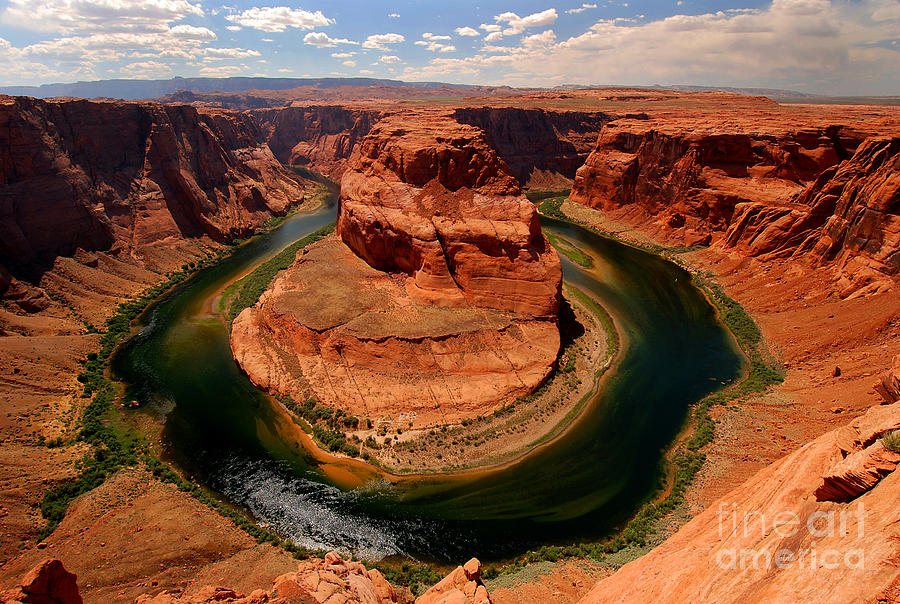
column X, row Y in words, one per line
column 226, row 434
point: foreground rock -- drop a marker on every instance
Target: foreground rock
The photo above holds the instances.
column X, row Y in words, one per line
column 776, row 538
column 47, row 583
column 439, row 301
column 331, row 580
column 462, row 586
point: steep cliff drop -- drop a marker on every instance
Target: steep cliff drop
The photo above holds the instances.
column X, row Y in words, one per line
column 437, row 300
column 821, row 195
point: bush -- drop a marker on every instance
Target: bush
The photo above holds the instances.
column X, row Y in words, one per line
column 891, row 441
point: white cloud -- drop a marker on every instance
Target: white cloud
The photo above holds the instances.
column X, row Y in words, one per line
column 493, row 36
column 233, row 27
column 349, row 63
column 390, row 59
column 222, row 71
column 342, row 55
column 279, row 18
column 586, row 6
column 145, row 70
column 816, row 45
column 321, row 39
column 490, row 27
column 430, row 36
column 394, row 16
column 108, row 16
column 517, row 24
column 366, row 71
column 381, row 41
column 230, row 53
column 466, row 31
column 435, row 46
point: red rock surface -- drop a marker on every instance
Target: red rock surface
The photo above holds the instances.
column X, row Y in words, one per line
column 449, row 308
column 318, row 137
column 849, row 216
column 888, row 386
column 543, row 149
column 331, row 580
column 98, row 175
column 47, row 583
column 728, row 552
column 462, row 586
column 428, row 197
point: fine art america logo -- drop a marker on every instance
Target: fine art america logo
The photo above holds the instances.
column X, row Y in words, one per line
column 788, row 539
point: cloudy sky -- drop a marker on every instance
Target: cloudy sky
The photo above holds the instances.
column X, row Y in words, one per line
column 825, row 46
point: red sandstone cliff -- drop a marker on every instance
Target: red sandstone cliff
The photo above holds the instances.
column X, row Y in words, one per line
column 849, row 216
column 93, row 175
column 543, row 149
column 448, row 307
column 321, row 137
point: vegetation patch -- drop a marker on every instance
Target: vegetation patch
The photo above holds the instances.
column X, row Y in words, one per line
column 891, row 441
column 571, row 252
column 246, row 291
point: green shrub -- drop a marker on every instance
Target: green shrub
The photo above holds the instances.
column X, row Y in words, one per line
column 891, row 441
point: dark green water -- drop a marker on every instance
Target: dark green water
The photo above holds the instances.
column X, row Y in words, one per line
column 225, row 433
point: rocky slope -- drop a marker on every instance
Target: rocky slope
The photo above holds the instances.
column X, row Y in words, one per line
column 820, row 525
column 319, row 137
column 95, row 176
column 440, row 300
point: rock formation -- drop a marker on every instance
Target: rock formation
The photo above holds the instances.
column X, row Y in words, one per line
column 543, row 149
column 448, row 307
column 850, row 215
column 320, row 137
column 818, row 525
column 94, row 175
column 462, row 586
column 47, row 583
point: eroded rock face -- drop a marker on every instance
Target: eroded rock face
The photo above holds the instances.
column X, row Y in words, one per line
column 321, row 137
column 849, row 216
column 697, row 177
column 47, row 583
column 94, row 175
column 429, row 198
column 437, row 300
column 543, row 149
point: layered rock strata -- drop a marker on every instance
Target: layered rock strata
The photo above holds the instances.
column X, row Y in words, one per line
column 437, row 303
column 97, row 175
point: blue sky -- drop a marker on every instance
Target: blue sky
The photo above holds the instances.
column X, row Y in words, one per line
column 826, row 46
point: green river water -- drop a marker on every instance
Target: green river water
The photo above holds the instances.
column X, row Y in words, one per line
column 229, row 436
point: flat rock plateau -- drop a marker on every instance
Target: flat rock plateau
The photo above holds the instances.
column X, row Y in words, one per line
column 793, row 209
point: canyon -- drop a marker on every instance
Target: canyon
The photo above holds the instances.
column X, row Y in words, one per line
column 793, row 209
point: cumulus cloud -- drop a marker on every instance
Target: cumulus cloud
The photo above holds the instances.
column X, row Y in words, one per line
column 145, row 70
column 816, row 45
column 342, row 55
column 349, row 63
column 229, row 53
column 322, row 40
column 430, row 36
column 390, row 59
column 279, row 18
column 394, row 16
column 222, row 71
column 493, row 36
column 435, row 46
column 516, row 24
column 467, row 31
column 491, row 27
column 84, row 16
column 381, row 41
column 583, row 8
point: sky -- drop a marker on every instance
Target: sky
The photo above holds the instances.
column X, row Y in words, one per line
column 834, row 47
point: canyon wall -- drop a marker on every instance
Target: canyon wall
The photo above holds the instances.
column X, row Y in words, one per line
column 94, row 175
column 542, row 148
column 436, row 301
column 318, row 137
column 823, row 195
